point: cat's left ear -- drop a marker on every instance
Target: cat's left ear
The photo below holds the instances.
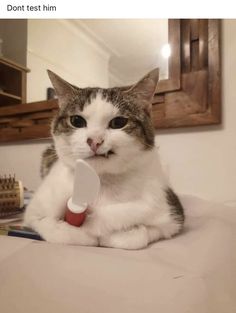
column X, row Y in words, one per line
column 63, row 89
column 145, row 89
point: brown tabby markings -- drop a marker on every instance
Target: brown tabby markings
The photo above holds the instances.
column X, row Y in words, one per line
column 49, row 157
column 176, row 207
column 83, row 96
column 139, row 125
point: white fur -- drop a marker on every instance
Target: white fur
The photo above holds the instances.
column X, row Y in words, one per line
column 131, row 210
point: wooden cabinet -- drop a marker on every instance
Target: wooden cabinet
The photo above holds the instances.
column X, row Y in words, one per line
column 12, row 83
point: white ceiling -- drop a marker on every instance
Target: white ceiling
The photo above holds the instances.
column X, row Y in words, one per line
column 134, row 45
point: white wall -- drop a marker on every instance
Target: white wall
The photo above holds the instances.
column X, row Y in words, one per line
column 63, row 47
column 23, row 160
column 201, row 161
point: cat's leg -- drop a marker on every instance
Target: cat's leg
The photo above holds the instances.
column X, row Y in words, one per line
column 133, row 239
column 167, row 225
column 45, row 213
column 119, row 216
column 165, row 228
column 58, row 231
column 154, row 234
column 139, row 237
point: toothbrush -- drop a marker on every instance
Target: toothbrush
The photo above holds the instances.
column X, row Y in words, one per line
column 85, row 191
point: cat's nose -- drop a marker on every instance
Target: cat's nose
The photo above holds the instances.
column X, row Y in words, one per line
column 94, row 143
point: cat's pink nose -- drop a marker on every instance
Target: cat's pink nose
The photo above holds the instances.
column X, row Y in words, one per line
column 94, row 144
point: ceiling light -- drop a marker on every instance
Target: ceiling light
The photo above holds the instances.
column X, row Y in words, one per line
column 166, row 51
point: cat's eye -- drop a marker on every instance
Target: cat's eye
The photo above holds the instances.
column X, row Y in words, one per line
column 78, row 121
column 118, row 122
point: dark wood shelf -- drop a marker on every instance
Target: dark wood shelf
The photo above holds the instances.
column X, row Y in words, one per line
column 7, row 99
column 14, row 65
column 26, row 121
column 12, row 83
column 9, row 95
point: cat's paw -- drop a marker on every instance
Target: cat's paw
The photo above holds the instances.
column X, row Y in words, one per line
column 63, row 233
column 133, row 239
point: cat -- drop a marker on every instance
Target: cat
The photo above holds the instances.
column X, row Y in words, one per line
column 112, row 130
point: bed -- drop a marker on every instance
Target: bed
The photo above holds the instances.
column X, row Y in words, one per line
column 194, row 272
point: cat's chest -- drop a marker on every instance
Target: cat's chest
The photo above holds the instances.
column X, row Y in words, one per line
column 114, row 194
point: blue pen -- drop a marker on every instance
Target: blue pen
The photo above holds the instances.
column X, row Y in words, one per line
column 19, row 231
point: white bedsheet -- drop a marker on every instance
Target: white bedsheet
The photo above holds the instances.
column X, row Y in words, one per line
column 194, row 272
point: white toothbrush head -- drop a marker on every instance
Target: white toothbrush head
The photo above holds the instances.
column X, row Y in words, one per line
column 86, row 187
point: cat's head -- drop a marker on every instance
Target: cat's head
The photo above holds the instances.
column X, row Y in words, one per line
column 109, row 128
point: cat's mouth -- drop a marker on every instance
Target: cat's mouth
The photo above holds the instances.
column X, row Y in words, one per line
column 102, row 155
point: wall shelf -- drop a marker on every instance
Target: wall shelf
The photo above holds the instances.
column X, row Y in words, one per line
column 9, row 95
column 26, row 121
column 12, row 83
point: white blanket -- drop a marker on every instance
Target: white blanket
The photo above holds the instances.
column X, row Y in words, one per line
column 194, row 272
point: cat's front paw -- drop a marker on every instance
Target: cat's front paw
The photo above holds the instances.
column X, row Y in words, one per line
column 133, row 239
column 63, row 233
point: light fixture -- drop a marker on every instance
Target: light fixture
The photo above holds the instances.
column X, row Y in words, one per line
column 166, row 51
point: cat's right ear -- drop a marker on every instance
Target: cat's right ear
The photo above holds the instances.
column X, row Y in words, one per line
column 144, row 90
column 63, row 89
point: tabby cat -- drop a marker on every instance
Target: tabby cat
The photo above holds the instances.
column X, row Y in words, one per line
column 112, row 130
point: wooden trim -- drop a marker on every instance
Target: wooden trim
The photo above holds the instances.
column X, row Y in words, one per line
column 14, row 65
column 173, row 82
column 198, row 119
column 27, row 121
column 28, row 108
column 198, row 100
column 25, row 133
column 185, row 46
column 23, row 87
column 214, row 72
column 9, row 95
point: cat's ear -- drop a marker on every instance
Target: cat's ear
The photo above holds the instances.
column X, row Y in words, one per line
column 63, row 89
column 145, row 89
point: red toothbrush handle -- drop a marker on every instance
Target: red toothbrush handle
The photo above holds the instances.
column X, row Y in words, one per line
column 75, row 219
